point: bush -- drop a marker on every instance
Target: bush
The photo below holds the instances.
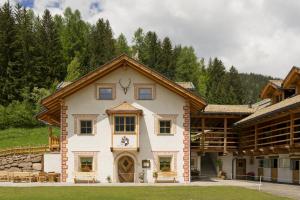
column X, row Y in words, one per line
column 18, row 114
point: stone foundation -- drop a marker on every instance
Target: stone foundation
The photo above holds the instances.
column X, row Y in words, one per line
column 22, row 163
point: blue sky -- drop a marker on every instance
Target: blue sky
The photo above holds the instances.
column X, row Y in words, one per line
column 260, row 36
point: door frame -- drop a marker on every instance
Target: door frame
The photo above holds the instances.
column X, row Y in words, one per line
column 116, row 161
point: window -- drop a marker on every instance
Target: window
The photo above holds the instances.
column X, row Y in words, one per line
column 165, row 164
column 86, row 164
column 86, row 127
column 284, row 163
column 125, row 124
column 165, row 126
column 145, row 94
column 144, row 91
column 105, row 93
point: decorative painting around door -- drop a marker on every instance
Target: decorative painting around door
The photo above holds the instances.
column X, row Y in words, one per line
column 126, row 169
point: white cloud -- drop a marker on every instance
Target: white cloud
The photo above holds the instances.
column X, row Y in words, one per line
column 260, row 36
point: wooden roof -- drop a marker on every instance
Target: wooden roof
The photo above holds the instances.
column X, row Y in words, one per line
column 52, row 102
column 228, row 109
column 187, row 85
column 271, row 111
column 271, row 87
column 124, row 108
column 292, row 77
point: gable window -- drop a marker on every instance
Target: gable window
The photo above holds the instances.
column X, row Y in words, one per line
column 145, row 94
column 105, row 93
column 165, row 126
column 165, row 163
column 144, row 91
column 86, row 164
column 125, row 124
column 86, row 127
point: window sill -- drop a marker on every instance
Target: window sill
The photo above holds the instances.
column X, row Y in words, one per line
column 89, row 135
column 164, row 134
column 124, row 133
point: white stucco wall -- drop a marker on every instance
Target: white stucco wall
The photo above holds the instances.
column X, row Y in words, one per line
column 52, row 162
column 84, row 102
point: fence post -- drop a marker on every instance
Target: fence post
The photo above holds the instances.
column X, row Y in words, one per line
column 259, row 186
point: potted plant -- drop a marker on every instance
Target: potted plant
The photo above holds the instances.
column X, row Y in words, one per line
column 142, row 177
column 155, row 175
column 108, row 178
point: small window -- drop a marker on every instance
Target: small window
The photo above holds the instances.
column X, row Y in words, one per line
column 86, row 127
column 125, row 124
column 165, row 164
column 86, row 164
column 145, row 94
column 105, row 94
column 165, row 126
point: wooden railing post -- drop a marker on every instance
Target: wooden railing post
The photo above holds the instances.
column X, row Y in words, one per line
column 203, row 134
column 292, row 131
column 255, row 137
column 225, row 136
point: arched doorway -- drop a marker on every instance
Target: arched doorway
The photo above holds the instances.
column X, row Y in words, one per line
column 126, row 169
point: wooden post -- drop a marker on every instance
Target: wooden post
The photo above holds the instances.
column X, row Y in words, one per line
column 292, row 131
column 202, row 135
column 225, row 136
column 50, row 137
column 255, row 137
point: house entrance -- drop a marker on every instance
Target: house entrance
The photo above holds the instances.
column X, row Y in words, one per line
column 126, row 169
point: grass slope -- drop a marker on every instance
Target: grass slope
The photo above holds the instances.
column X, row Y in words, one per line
column 134, row 193
column 14, row 137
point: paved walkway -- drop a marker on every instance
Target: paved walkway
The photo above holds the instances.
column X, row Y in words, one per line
column 286, row 190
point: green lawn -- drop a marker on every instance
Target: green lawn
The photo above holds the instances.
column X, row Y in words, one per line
column 14, row 137
column 133, row 193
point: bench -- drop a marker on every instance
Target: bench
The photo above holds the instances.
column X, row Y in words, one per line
column 166, row 177
column 4, row 176
column 85, row 177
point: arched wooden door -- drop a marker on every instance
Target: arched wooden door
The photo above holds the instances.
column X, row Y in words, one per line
column 126, row 169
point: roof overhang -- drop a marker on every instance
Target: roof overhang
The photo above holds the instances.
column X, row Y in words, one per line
column 269, row 90
column 53, row 101
column 292, row 78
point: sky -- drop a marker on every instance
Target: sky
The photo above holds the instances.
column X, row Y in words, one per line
column 259, row 36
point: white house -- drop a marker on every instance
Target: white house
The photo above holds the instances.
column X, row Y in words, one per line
column 122, row 122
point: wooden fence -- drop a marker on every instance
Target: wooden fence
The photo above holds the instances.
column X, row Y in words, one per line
column 24, row 150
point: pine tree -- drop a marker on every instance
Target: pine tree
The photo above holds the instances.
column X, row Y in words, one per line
column 215, row 83
column 138, row 44
column 51, row 65
column 122, row 45
column 167, row 62
column 7, row 55
column 73, row 34
column 73, row 70
column 101, row 44
column 187, row 66
column 151, row 51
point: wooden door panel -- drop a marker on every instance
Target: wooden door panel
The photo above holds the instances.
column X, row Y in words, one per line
column 241, row 169
column 126, row 169
column 296, row 176
column 274, row 174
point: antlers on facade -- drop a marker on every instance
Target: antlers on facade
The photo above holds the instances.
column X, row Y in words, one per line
column 125, row 88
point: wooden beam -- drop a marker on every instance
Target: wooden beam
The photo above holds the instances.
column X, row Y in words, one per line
column 225, row 135
column 255, row 137
column 202, row 136
column 292, row 131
